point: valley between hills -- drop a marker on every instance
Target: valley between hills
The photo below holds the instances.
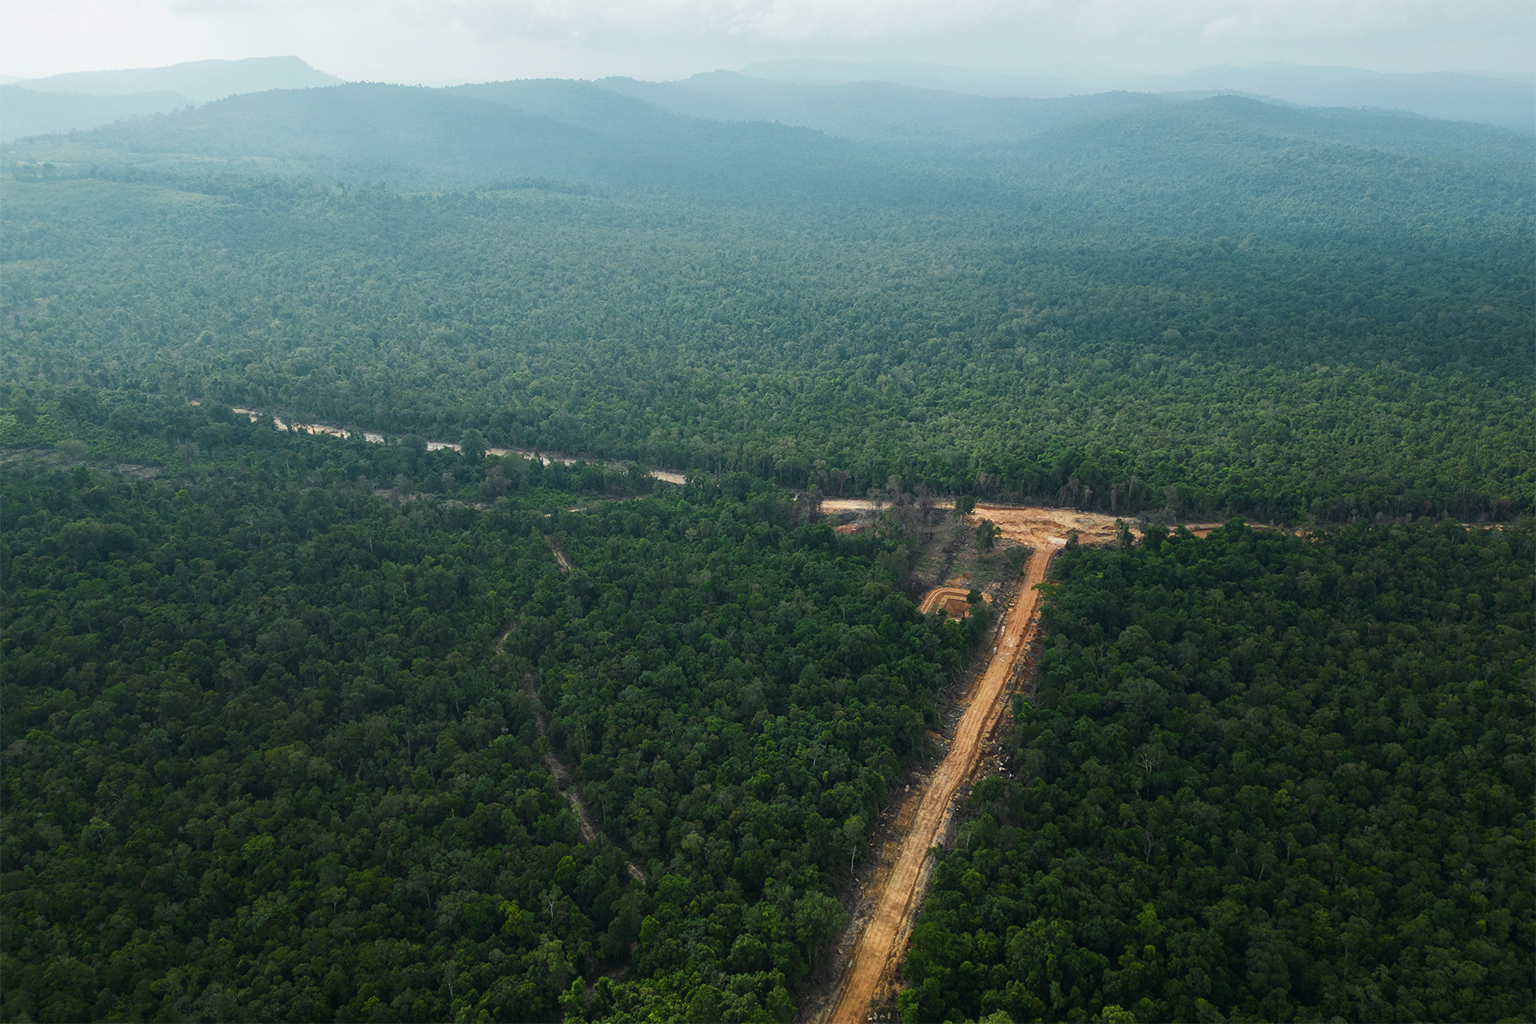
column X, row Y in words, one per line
column 722, row 552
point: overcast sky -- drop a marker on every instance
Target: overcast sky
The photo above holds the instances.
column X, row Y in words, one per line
column 478, row 40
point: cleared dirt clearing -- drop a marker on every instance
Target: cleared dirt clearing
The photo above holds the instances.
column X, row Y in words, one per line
column 876, row 959
column 895, row 894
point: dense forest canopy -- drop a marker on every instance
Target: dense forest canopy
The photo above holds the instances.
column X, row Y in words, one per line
column 1215, row 306
column 274, row 742
column 315, row 728
column 1267, row 778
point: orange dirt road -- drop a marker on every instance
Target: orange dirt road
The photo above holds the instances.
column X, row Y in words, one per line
column 877, row 953
column 896, row 894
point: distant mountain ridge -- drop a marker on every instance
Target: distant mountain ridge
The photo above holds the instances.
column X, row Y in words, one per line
column 876, row 112
column 1506, row 102
column 919, row 75
column 602, row 133
column 198, row 81
column 888, row 103
column 1439, row 94
column 81, row 100
column 466, row 137
column 24, row 113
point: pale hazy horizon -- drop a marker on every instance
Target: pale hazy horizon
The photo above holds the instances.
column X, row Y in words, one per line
column 1098, row 44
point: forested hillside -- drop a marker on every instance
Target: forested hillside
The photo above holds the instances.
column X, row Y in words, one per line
column 34, row 113
column 314, row 728
column 269, row 755
column 82, row 100
column 433, row 139
column 1267, row 778
column 1214, row 307
column 876, row 112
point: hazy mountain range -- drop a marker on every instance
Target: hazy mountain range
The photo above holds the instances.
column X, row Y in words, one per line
column 904, row 141
column 891, row 102
column 197, row 81
column 87, row 99
column 1509, row 102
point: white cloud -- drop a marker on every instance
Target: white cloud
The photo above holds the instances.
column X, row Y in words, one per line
column 1221, row 28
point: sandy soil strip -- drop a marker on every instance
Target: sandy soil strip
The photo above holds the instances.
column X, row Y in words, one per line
column 664, row 475
column 565, row 564
column 1025, row 524
column 863, row 505
column 895, row 894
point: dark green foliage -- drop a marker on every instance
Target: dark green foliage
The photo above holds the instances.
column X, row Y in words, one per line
column 1217, row 307
column 1269, row 778
column 272, row 751
column 1017, row 556
column 263, row 759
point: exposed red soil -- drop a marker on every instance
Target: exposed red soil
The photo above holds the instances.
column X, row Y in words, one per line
column 895, row 891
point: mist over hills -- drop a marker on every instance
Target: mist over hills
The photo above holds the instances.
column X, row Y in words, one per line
column 197, row 81
column 725, row 133
column 24, row 112
column 890, row 102
column 1196, row 182
column 81, row 100
column 1446, row 95
column 875, row 111
column 424, row 138
column 298, row 710
column 1485, row 99
column 918, row 74
column 1221, row 206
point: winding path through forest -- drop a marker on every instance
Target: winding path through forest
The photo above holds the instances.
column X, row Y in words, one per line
column 334, row 430
column 565, row 784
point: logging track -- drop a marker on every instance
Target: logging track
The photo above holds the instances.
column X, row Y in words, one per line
column 890, row 903
column 565, row 782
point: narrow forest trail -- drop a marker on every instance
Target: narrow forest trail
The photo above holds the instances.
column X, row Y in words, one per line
column 570, row 789
column 565, row 782
column 564, row 563
column 895, row 890
column 335, row 430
